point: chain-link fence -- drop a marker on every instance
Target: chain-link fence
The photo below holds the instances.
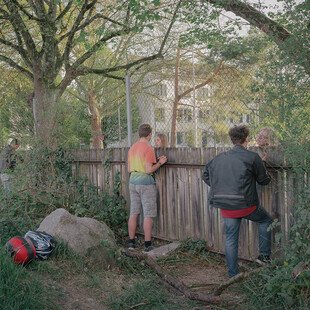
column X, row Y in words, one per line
column 193, row 103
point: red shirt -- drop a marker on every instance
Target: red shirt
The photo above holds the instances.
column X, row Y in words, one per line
column 233, row 214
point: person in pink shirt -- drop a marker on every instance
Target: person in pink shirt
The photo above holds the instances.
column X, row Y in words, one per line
column 142, row 164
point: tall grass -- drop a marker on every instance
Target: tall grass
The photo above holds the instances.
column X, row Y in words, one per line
column 19, row 287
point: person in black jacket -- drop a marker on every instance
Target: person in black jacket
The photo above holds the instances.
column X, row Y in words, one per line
column 232, row 176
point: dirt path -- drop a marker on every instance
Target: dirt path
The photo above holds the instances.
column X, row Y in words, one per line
column 91, row 290
column 78, row 297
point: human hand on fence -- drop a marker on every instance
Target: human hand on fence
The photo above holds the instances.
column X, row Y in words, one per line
column 162, row 159
column 262, row 152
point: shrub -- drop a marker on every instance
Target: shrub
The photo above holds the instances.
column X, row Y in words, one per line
column 43, row 181
column 286, row 284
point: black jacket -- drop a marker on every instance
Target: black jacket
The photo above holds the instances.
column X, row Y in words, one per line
column 232, row 176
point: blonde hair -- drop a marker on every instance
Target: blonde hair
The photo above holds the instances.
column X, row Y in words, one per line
column 163, row 139
column 266, row 137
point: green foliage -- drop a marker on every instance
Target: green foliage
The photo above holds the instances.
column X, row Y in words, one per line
column 193, row 246
column 109, row 208
column 43, row 181
column 286, row 284
column 148, row 294
column 114, row 125
column 8, row 229
column 20, row 289
column 74, row 123
column 19, row 213
column 205, row 29
column 15, row 112
column 276, row 287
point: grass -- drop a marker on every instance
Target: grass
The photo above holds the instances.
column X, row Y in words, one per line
column 148, row 293
column 20, row 289
column 129, row 284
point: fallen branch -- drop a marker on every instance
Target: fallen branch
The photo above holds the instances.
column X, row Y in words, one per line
column 238, row 278
column 198, row 286
column 177, row 284
column 138, row 305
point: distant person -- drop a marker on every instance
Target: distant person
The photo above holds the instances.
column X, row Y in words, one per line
column 142, row 164
column 232, row 176
column 8, row 163
column 265, row 137
column 161, row 143
column 161, row 140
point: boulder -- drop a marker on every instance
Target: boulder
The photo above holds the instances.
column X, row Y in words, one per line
column 82, row 234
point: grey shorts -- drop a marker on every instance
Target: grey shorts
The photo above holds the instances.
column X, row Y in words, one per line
column 143, row 196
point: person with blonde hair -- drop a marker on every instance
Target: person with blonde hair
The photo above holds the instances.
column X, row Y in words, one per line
column 161, row 140
column 266, row 137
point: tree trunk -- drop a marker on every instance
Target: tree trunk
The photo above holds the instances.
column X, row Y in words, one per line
column 97, row 136
column 44, row 111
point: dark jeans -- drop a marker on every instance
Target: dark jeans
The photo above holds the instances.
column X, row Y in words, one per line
column 232, row 226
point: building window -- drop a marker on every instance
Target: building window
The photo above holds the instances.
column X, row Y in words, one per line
column 160, row 90
column 203, row 93
column 184, row 115
column 159, row 114
column 181, row 138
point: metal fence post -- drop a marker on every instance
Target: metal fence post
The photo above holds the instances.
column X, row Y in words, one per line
column 128, row 106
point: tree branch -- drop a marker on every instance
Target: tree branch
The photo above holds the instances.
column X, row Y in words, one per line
column 131, row 64
column 174, row 282
column 170, row 27
column 97, row 45
column 17, row 48
column 254, row 17
column 85, row 70
column 210, row 79
column 16, row 66
column 86, row 6
column 238, row 278
column 20, row 25
column 29, row 15
column 65, row 10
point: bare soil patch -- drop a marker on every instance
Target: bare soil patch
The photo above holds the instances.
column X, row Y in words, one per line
column 91, row 288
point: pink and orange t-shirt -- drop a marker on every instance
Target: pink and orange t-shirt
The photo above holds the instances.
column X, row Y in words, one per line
column 139, row 154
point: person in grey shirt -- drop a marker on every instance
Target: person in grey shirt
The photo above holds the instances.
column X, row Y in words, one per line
column 7, row 163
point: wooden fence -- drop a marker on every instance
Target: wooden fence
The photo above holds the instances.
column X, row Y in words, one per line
column 183, row 197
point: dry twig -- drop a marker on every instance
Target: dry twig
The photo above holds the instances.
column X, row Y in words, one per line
column 238, row 278
column 177, row 284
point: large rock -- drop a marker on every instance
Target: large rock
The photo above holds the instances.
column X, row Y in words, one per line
column 82, row 234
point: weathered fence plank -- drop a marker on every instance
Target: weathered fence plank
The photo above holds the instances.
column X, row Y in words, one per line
column 183, row 208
